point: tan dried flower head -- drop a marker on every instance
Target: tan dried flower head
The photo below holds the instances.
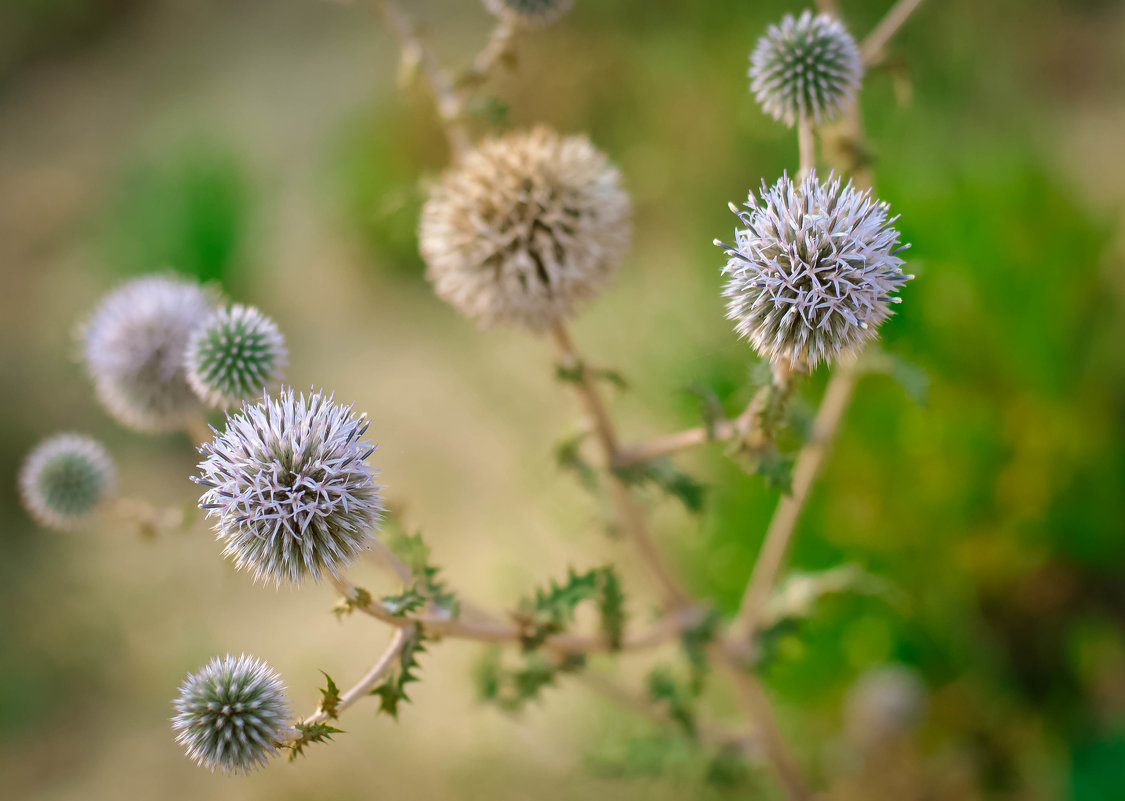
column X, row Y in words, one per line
column 525, row 228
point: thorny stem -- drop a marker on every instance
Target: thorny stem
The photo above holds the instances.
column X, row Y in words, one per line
column 630, row 516
column 495, row 632
column 872, row 47
column 369, row 680
column 499, row 45
column 806, row 145
column 780, row 531
column 446, row 98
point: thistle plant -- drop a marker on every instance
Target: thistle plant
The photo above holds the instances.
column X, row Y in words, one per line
column 133, row 346
column 807, row 67
column 289, row 489
column 524, row 228
column 65, row 480
column 234, row 355
column 811, row 274
column 232, row 714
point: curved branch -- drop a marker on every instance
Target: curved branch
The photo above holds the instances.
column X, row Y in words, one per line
column 369, row 680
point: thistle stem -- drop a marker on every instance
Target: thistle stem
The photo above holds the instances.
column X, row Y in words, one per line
column 630, row 517
column 780, row 531
column 446, row 97
column 369, row 680
column 806, row 145
column 872, row 47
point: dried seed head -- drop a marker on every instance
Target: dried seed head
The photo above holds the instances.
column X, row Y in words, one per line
column 808, row 66
column 529, row 13
column 288, row 486
column 812, row 271
column 133, row 346
column 525, row 228
column 234, row 355
column 65, row 479
column 232, row 714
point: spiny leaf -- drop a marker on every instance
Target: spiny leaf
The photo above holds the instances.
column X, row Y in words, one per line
column 728, row 768
column 513, row 688
column 568, row 457
column 664, row 474
column 611, row 607
column 392, row 692
column 330, row 697
column 345, row 606
column 664, row 688
column 550, row 610
column 578, row 372
column 407, row 601
column 695, row 640
column 308, row 733
column 776, row 468
column 427, row 587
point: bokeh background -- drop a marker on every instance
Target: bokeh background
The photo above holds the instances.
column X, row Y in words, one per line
column 264, row 144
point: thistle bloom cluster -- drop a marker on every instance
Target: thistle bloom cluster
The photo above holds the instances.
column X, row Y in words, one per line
column 288, row 486
column 232, row 714
column 812, row 270
column 65, row 479
column 133, row 346
column 525, row 228
column 806, row 67
column 530, row 13
column 234, row 355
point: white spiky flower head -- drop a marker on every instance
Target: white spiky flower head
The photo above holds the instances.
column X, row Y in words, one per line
column 234, row 355
column 529, row 13
column 525, row 228
column 808, row 66
column 65, row 480
column 232, row 714
column 133, row 346
column 811, row 273
column 289, row 488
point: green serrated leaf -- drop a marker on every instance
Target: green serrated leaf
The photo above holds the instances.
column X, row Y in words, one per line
column 513, row 688
column 668, row 478
column 728, row 768
column 550, row 610
column 679, row 701
column 407, row 601
column 330, row 697
column 345, row 606
column 611, row 608
column 308, row 733
column 392, row 692
column 568, row 457
column 776, row 468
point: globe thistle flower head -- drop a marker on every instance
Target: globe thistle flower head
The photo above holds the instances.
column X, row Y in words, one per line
column 812, row 270
column 805, row 67
column 529, row 13
column 289, row 489
column 133, row 346
column 65, row 479
column 525, row 228
column 232, row 714
column 234, row 355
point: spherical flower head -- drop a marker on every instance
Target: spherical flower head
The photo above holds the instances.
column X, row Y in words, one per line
column 525, row 228
column 234, row 355
column 289, row 488
column 812, row 271
column 65, row 479
column 133, row 346
column 529, row 13
column 805, row 67
column 232, row 714
column 885, row 702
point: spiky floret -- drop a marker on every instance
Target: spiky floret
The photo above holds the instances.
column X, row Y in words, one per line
column 807, row 66
column 133, row 346
column 524, row 228
column 232, row 714
column 65, row 479
column 812, row 271
column 530, row 13
column 288, row 486
column 234, row 355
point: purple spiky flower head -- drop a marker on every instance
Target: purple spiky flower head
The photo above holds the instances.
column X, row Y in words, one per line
column 65, row 480
column 133, row 346
column 232, row 714
column 807, row 66
column 529, row 13
column 812, row 271
column 289, row 489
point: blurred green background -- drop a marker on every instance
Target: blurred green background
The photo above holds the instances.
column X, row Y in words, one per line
column 265, row 145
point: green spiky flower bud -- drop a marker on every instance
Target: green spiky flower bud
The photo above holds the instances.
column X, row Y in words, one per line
column 65, row 479
column 234, row 356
